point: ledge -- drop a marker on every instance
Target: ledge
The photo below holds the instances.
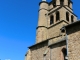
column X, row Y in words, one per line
column 41, row 27
column 58, row 23
column 59, row 41
column 38, row 44
column 54, row 10
column 43, row 9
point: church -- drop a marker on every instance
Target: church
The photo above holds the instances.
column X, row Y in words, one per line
column 57, row 33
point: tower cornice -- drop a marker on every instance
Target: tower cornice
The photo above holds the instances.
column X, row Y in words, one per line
column 42, row 9
column 41, row 27
column 43, row 2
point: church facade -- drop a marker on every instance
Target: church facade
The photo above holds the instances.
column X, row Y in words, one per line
column 57, row 34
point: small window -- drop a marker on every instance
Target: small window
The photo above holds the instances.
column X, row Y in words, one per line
column 51, row 19
column 57, row 16
column 67, row 16
column 72, row 18
column 63, row 30
column 61, row 2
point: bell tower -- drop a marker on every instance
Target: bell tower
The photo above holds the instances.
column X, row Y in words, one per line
column 52, row 16
column 61, row 10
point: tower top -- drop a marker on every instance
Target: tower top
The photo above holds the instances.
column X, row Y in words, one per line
column 43, row 0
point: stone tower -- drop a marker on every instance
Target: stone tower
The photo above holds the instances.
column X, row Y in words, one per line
column 56, row 38
column 42, row 22
column 52, row 16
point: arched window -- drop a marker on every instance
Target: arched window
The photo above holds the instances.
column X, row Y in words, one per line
column 72, row 18
column 51, row 19
column 68, row 3
column 64, row 51
column 67, row 16
column 61, row 2
column 57, row 16
column 54, row 4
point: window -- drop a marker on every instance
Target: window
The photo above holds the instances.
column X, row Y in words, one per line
column 72, row 18
column 51, row 19
column 63, row 30
column 57, row 16
column 64, row 51
column 68, row 3
column 54, row 3
column 61, row 2
column 67, row 16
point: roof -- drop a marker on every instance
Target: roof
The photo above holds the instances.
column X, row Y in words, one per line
column 37, row 44
column 73, row 24
column 77, row 23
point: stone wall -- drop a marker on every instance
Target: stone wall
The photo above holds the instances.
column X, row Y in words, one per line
column 56, row 51
column 74, row 42
column 37, row 52
column 28, row 55
column 55, row 30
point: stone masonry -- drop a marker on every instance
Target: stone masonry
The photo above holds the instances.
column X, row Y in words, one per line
column 74, row 41
column 57, row 34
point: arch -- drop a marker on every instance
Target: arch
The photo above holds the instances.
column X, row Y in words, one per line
column 61, row 2
column 68, row 3
column 57, row 16
column 72, row 18
column 51, row 19
column 67, row 16
column 64, row 51
column 54, row 3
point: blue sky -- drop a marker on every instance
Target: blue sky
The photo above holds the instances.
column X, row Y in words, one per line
column 18, row 22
